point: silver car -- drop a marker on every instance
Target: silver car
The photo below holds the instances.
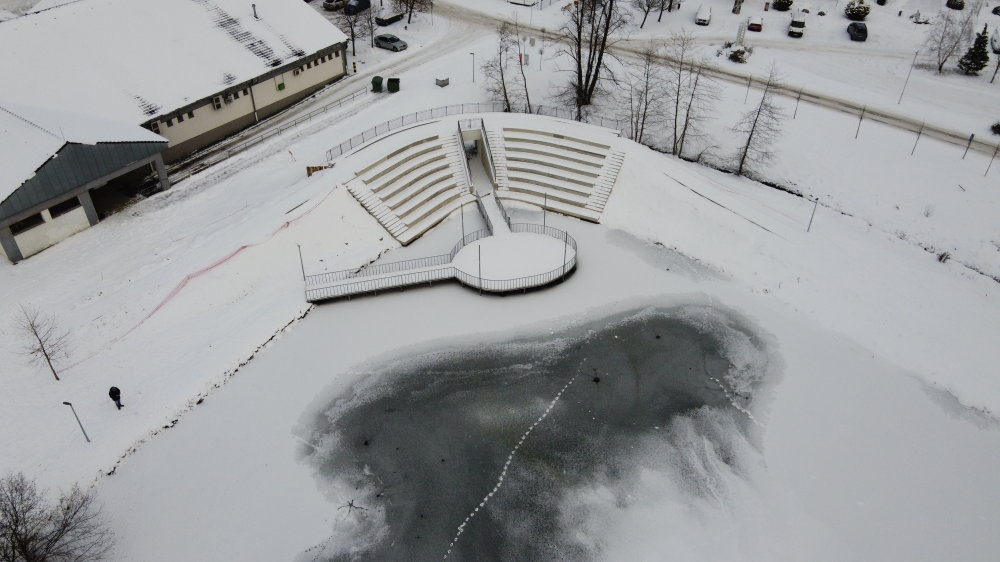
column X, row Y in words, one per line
column 390, row 42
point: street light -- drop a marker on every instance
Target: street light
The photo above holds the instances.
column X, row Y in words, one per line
column 78, row 421
column 473, row 67
column 907, row 78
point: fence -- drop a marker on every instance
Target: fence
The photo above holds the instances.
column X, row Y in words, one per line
column 503, row 212
column 606, row 122
column 263, row 136
column 457, row 109
column 465, row 161
column 486, row 216
column 380, row 269
column 489, row 152
column 368, row 282
column 409, row 119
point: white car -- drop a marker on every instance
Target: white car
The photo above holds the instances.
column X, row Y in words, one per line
column 704, row 15
column 797, row 27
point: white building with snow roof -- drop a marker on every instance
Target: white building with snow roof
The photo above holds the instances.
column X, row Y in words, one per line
column 193, row 71
column 63, row 172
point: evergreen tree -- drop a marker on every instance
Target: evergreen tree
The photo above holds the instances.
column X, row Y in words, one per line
column 857, row 10
column 977, row 57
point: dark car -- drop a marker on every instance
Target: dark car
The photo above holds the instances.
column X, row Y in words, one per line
column 858, row 31
column 390, row 42
column 334, row 5
column 356, row 6
column 755, row 23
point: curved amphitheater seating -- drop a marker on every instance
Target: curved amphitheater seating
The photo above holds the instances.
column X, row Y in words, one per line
column 414, row 186
column 570, row 172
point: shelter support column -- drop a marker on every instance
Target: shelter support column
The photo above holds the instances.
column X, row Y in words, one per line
column 161, row 172
column 88, row 207
column 10, row 245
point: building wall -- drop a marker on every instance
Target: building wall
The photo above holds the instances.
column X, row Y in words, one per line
column 54, row 230
column 236, row 108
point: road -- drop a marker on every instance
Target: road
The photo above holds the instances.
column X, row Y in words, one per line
column 466, row 25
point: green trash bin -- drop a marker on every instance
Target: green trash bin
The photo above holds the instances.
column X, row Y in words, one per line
column 393, row 85
column 377, row 83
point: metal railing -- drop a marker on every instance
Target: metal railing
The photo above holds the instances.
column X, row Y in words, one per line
column 469, row 239
column 380, row 283
column 489, row 152
column 380, row 269
column 486, row 216
column 607, row 123
column 503, row 211
column 465, row 160
column 409, row 119
column 368, row 283
column 264, row 136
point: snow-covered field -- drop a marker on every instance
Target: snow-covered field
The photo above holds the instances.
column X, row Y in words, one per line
column 878, row 437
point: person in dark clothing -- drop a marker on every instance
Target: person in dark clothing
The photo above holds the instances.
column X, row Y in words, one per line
column 116, row 395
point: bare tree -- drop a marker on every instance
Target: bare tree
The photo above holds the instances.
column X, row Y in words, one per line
column 498, row 83
column 368, row 25
column 948, row 34
column 410, row 6
column 701, row 96
column 762, row 127
column 45, row 342
column 587, row 36
column 995, row 71
column 351, row 24
column 646, row 6
column 31, row 530
column 521, row 65
column 645, row 102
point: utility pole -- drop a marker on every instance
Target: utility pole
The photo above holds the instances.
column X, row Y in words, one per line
column 78, row 421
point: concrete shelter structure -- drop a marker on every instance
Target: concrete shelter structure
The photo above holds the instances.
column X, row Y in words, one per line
column 62, row 173
column 192, row 71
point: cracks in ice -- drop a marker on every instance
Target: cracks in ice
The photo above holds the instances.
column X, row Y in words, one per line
column 730, row 395
column 506, row 466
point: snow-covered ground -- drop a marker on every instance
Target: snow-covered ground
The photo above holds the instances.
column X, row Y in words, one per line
column 879, row 437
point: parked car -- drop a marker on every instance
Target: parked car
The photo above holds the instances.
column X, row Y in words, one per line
column 857, row 30
column 755, row 23
column 797, row 27
column 704, row 15
column 389, row 20
column 955, row 4
column 334, row 5
column 390, row 42
column 357, row 6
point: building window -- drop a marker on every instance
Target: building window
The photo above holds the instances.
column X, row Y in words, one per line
column 336, row 54
column 236, row 95
column 217, row 102
column 246, row 91
column 170, row 122
column 180, row 117
column 154, row 126
column 27, row 223
column 64, row 207
column 190, row 114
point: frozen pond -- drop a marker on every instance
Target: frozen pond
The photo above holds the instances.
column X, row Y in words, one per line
column 476, row 452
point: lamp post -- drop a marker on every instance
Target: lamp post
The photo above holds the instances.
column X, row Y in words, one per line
column 473, row 67
column 907, row 81
column 78, row 421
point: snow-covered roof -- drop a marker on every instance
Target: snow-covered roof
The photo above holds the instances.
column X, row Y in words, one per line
column 30, row 135
column 134, row 59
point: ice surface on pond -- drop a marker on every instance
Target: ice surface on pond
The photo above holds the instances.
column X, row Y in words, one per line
column 499, row 452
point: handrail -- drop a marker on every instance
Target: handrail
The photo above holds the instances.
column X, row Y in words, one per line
column 465, row 160
column 379, row 269
column 489, row 152
column 503, row 211
column 409, row 119
column 366, row 283
column 456, row 109
column 486, row 216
